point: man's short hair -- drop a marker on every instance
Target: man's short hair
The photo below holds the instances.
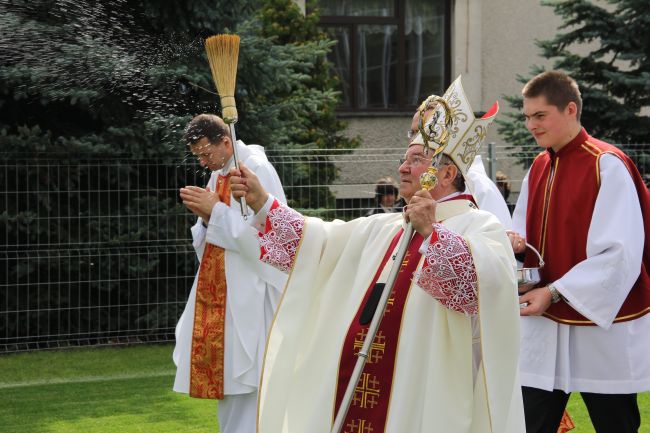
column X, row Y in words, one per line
column 205, row 125
column 459, row 181
column 557, row 87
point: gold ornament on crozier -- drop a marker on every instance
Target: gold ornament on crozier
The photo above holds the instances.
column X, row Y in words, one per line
column 432, row 131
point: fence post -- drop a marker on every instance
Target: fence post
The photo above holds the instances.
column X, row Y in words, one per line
column 492, row 168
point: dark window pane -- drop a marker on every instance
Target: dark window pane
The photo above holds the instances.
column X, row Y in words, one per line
column 377, row 69
column 340, row 58
column 425, row 45
column 369, row 79
column 366, row 8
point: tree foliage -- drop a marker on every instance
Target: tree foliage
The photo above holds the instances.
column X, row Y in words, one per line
column 315, row 123
column 613, row 73
column 93, row 100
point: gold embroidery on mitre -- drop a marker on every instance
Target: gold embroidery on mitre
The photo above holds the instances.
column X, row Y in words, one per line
column 472, row 145
column 458, row 116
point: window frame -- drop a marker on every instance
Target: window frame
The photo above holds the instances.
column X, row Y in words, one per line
column 351, row 22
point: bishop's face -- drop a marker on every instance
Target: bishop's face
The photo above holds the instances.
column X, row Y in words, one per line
column 413, row 165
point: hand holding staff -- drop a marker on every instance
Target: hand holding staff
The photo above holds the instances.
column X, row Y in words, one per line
column 245, row 184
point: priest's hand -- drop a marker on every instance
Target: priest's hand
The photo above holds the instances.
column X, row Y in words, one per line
column 421, row 212
column 244, row 183
column 536, row 302
column 518, row 242
column 199, row 201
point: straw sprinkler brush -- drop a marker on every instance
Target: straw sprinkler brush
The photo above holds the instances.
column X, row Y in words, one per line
column 223, row 52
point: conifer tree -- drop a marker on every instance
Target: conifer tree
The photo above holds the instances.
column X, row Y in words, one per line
column 85, row 85
column 613, row 75
column 310, row 110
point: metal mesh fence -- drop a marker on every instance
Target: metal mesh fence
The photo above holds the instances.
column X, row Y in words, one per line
column 94, row 251
column 98, row 251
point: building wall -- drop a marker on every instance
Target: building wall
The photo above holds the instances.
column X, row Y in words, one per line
column 383, row 142
column 490, row 47
column 492, row 43
column 509, row 31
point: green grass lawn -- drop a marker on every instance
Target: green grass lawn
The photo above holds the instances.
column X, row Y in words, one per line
column 127, row 390
column 107, row 390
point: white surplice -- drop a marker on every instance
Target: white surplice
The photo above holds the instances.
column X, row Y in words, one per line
column 611, row 358
column 253, row 288
column 436, row 387
column 485, row 192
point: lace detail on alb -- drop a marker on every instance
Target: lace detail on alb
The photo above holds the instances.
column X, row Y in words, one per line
column 448, row 273
column 280, row 242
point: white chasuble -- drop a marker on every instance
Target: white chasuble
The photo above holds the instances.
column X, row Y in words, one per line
column 433, row 388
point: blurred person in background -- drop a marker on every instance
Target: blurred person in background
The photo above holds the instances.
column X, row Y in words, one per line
column 386, row 195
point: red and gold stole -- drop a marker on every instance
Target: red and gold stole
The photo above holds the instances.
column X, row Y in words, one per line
column 369, row 408
column 206, row 363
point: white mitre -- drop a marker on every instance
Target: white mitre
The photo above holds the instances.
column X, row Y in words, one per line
column 466, row 133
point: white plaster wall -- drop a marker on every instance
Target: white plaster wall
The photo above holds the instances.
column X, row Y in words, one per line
column 466, row 49
column 383, row 143
column 509, row 31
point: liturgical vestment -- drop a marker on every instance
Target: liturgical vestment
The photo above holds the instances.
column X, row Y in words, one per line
column 253, row 288
column 614, row 356
column 454, row 351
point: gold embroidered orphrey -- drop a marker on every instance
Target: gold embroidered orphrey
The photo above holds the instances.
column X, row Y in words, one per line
column 208, row 333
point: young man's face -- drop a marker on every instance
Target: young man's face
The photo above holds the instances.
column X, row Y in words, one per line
column 550, row 126
column 212, row 155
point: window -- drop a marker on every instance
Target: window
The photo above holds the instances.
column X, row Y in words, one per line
column 390, row 54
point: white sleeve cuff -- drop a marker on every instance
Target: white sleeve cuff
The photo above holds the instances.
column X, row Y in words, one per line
column 259, row 219
column 424, row 247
